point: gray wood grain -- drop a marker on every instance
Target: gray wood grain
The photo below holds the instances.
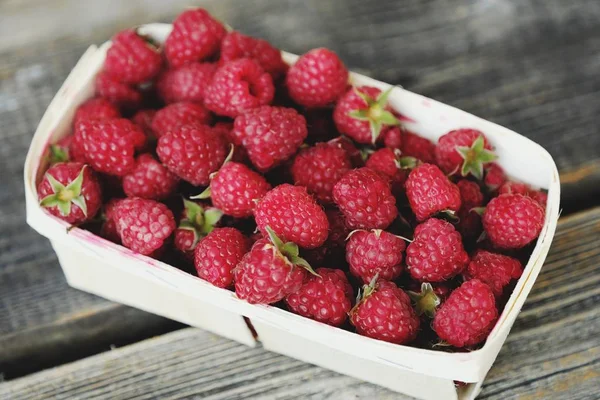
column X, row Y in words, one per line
column 553, row 350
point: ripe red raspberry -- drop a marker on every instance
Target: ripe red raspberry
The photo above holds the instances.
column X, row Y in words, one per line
column 427, row 297
column 118, row 93
column 325, row 298
column 197, row 220
column 225, row 129
column 363, row 113
column 385, row 313
column 355, row 155
column 540, row 197
column 235, row 189
column 365, row 199
column 192, row 152
column 236, row 46
column 494, row 176
column 391, row 164
column 512, row 221
column 429, row 192
column 317, row 79
column 333, row 251
column 176, row 115
column 436, row 253
column 318, row 168
column 185, row 83
column 495, row 270
column 196, row 35
column 96, row 108
column 467, row 316
column 110, row 145
column 469, row 221
column 143, row 119
column 71, row 192
column 271, row 135
column 66, row 150
column 524, row 189
column 270, row 271
column 375, row 253
column 392, row 137
column 218, row 254
column 418, row 147
column 238, row 87
column 464, row 151
column 149, row 179
column 108, row 230
column 293, row 215
column 132, row 59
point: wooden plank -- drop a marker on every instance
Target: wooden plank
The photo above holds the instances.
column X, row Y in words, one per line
column 552, row 352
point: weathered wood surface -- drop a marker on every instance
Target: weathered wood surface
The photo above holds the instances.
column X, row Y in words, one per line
column 553, row 351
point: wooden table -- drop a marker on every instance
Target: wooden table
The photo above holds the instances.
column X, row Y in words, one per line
column 530, row 65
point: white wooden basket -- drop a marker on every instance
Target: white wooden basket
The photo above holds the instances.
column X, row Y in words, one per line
column 95, row 265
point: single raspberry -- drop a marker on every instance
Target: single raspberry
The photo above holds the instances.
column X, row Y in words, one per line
column 317, row 79
column 375, row 253
column 235, row 189
column 540, row 197
column 318, row 168
column 185, row 83
column 270, row 271
column 118, row 93
column 143, row 225
column 96, row 108
column 512, row 221
column 218, row 254
column 436, row 253
column 429, row 192
column 363, row 113
column 392, row 137
column 270, row 135
column 132, row 59
column 225, row 129
column 325, row 298
column 236, row 46
column 293, row 215
column 494, row 176
column 495, row 270
column 66, row 150
column 196, row 35
column 468, row 316
column 391, row 164
column 192, row 152
column 71, row 192
column 108, row 230
column 365, row 199
column 385, row 313
column 418, row 147
column 524, row 189
column 465, row 151
column 333, row 251
column 427, row 297
column 238, row 87
column 110, row 145
column 143, row 119
column 197, row 220
column 469, row 221
column 149, row 179
column 176, row 115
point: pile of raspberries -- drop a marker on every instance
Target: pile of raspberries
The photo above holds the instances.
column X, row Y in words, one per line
column 291, row 187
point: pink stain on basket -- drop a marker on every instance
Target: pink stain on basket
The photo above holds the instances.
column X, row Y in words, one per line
column 426, row 103
column 404, row 118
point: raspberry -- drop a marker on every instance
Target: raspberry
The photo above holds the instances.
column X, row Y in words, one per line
column 197, row 220
column 494, row 176
column 317, row 79
column 196, row 35
column 495, row 270
column 436, row 253
column 469, row 224
column 524, row 189
column 185, row 83
column 176, row 115
column 355, row 155
column 109, row 145
column 149, row 179
column 363, row 113
column 238, row 87
column 320, row 167
column 271, row 135
column 429, row 192
column 218, row 254
column 465, row 151
column 96, row 108
column 512, row 221
column 294, row 215
column 132, row 59
column 109, row 226
column 325, row 298
column 468, row 316
column 375, row 253
column 225, row 129
column 192, row 152
column 365, row 199
column 142, row 224
column 118, row 93
column 392, row 137
column 66, row 150
column 427, row 297
column 143, row 119
column 540, row 197
column 236, row 46
column 71, row 192
column 391, row 164
column 333, row 251
column 385, row 313
column 418, row 147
